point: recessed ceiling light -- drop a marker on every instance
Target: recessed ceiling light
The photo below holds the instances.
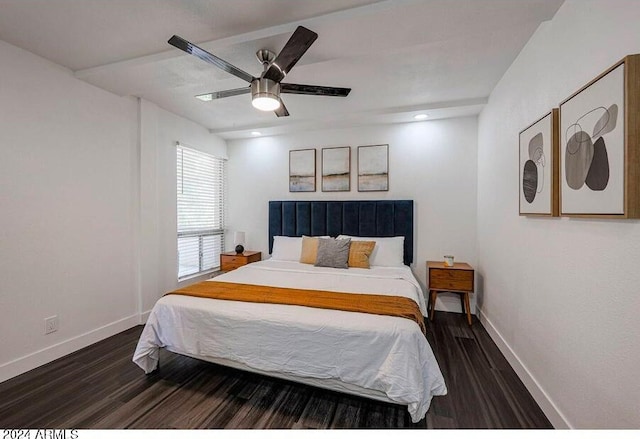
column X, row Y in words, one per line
column 420, row 116
column 256, row 133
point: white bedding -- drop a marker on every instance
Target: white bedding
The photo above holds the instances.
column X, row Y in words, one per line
column 380, row 353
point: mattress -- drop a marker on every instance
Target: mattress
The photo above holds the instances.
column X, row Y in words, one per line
column 366, row 354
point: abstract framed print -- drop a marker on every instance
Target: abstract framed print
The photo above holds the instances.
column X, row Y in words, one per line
column 539, row 167
column 336, row 169
column 373, row 168
column 302, row 170
column 599, row 145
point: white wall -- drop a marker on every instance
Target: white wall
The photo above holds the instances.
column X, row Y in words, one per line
column 160, row 130
column 560, row 295
column 433, row 163
column 88, row 209
column 66, row 211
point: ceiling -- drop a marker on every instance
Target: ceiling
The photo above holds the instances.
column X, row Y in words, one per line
column 400, row 57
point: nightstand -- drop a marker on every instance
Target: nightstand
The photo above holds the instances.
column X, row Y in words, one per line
column 232, row 260
column 457, row 279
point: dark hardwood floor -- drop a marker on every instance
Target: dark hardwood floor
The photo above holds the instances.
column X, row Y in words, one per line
column 99, row 387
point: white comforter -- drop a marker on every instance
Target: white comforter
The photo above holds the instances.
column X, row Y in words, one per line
column 383, row 353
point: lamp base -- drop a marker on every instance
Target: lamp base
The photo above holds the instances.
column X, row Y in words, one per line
column 239, row 249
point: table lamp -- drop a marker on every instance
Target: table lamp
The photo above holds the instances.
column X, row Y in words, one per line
column 238, row 240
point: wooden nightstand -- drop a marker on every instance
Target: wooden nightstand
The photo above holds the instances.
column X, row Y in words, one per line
column 457, row 279
column 232, row 260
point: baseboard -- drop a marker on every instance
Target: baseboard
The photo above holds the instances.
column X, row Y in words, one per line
column 43, row 356
column 552, row 412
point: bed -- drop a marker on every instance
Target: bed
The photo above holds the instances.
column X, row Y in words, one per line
column 377, row 356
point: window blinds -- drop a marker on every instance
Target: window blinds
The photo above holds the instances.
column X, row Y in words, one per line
column 200, row 199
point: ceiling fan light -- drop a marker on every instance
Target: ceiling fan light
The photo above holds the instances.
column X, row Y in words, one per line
column 265, row 94
column 266, row 103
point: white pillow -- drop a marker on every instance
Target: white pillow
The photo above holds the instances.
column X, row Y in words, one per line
column 286, row 248
column 388, row 252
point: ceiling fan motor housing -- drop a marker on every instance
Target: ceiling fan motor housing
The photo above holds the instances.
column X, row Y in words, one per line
column 265, row 88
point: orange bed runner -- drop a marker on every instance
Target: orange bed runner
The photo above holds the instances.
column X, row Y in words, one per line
column 366, row 303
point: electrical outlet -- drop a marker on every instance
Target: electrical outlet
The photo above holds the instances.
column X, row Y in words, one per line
column 50, row 324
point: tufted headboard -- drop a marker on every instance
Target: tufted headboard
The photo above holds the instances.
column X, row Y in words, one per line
column 378, row 218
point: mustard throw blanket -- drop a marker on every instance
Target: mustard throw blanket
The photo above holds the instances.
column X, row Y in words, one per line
column 366, row 303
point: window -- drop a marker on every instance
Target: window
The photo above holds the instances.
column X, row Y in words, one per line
column 201, row 180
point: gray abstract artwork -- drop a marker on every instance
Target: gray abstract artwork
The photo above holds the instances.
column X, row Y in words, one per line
column 533, row 172
column 537, row 146
column 586, row 161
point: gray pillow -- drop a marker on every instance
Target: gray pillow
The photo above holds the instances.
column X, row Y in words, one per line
column 333, row 253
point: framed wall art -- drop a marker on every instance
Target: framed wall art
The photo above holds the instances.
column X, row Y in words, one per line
column 600, row 145
column 539, row 167
column 336, row 169
column 302, row 170
column 373, row 168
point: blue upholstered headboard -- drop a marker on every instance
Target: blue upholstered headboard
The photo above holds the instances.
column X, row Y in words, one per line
column 356, row 218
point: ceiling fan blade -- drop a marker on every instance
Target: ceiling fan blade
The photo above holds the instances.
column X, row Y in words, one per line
column 224, row 94
column 192, row 49
column 291, row 53
column 282, row 110
column 318, row 90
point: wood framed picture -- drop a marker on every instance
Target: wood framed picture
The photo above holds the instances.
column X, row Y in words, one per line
column 539, row 167
column 373, row 168
column 600, row 145
column 302, row 170
column 336, row 169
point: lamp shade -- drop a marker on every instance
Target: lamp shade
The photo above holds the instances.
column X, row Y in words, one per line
column 238, row 238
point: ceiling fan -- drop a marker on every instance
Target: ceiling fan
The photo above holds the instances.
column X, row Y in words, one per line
column 265, row 90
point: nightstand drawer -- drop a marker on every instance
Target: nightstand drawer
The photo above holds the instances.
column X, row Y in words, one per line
column 241, row 260
column 231, row 261
column 444, row 279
